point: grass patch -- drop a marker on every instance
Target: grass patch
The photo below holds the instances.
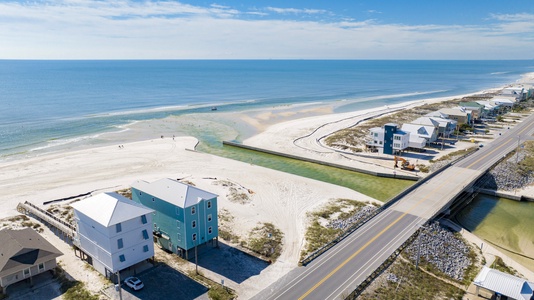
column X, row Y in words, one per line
column 220, row 293
column 402, row 281
column 228, row 236
column 73, row 290
column 126, row 193
column 19, row 218
column 455, row 154
column 265, row 239
column 498, row 264
column 318, row 235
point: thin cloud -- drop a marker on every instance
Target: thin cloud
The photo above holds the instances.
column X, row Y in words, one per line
column 83, row 29
column 296, row 11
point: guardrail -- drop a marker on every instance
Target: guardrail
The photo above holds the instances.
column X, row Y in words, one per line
column 392, row 201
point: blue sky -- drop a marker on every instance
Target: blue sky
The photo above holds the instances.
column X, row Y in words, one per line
column 232, row 29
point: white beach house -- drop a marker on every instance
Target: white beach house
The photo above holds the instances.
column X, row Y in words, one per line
column 114, row 231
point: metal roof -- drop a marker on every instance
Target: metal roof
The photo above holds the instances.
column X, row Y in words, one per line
column 110, row 208
column 504, row 284
column 173, row 191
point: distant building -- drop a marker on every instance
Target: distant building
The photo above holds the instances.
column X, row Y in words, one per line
column 184, row 217
column 114, row 231
column 460, row 115
column 24, row 254
column 503, row 284
column 388, row 139
column 477, row 110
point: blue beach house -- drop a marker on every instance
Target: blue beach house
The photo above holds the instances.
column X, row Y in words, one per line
column 184, row 217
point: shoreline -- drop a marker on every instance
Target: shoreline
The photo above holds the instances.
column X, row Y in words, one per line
column 245, row 122
column 279, row 198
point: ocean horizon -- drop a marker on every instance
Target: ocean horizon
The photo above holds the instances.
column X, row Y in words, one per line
column 49, row 105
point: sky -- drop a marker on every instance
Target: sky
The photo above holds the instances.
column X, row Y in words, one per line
column 264, row 29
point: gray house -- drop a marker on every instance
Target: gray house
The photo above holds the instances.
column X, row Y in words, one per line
column 24, row 254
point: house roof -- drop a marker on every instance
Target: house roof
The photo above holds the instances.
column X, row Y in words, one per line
column 173, row 191
column 422, row 130
column 426, row 121
column 110, row 208
column 21, row 249
column 454, row 111
column 504, row 284
column 438, row 114
column 471, row 104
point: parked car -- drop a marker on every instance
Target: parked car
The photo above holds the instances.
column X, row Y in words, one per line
column 134, row 283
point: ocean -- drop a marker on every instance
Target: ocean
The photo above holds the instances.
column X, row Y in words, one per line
column 48, row 105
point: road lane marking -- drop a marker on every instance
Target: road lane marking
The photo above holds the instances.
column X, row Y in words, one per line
column 372, row 240
column 393, row 223
column 346, row 243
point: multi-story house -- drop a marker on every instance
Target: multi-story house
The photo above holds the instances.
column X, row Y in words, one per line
column 184, row 217
column 115, row 232
column 388, row 139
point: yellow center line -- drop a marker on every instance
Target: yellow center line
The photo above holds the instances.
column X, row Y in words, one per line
column 369, row 242
column 390, row 225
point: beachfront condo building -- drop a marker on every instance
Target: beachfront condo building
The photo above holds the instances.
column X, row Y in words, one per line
column 184, row 216
column 114, row 231
column 24, row 254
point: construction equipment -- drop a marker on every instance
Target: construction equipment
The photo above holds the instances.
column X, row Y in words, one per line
column 405, row 165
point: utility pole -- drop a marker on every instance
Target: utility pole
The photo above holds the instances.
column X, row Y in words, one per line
column 119, row 284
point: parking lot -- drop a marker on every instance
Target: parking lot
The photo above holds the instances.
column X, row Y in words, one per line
column 161, row 282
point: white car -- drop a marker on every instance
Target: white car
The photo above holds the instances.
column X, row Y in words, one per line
column 134, row 283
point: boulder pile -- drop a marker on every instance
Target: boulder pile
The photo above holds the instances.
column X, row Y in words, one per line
column 442, row 249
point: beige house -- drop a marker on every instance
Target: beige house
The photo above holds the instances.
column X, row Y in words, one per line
column 24, row 254
column 457, row 114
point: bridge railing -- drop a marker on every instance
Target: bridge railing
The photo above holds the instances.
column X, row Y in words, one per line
column 386, row 205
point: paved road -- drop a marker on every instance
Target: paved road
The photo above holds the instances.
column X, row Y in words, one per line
column 341, row 269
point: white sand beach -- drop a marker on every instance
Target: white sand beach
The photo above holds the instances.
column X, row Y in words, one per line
column 279, row 198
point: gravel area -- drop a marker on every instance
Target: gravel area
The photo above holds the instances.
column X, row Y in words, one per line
column 442, row 249
column 507, row 176
column 346, row 223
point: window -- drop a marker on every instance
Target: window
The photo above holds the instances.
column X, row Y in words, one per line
column 41, row 267
column 153, row 200
column 397, row 137
column 140, row 193
column 27, row 271
column 194, row 224
column 120, row 244
column 145, row 234
column 122, row 258
column 118, row 227
column 145, row 248
column 209, row 204
column 209, row 218
column 209, row 230
column 376, row 134
column 194, row 236
column 143, row 219
column 193, row 210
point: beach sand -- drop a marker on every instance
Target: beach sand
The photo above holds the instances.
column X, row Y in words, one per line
column 279, row 198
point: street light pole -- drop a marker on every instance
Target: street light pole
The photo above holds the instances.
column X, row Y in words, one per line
column 517, row 151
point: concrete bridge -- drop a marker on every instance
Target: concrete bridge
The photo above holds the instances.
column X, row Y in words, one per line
column 340, row 270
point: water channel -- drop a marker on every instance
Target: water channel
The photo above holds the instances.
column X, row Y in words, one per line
column 505, row 223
